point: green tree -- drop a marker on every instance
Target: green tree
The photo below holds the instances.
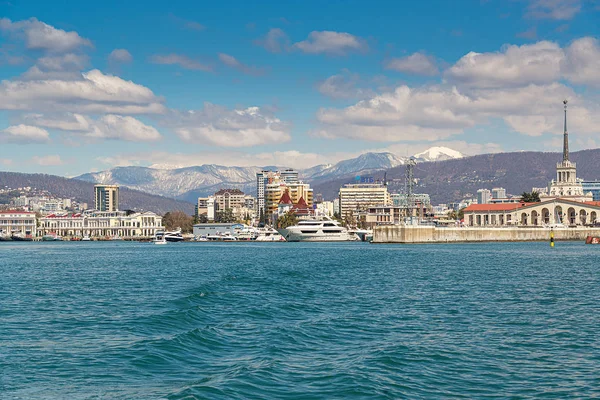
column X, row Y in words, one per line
column 533, row 197
column 226, row 216
column 288, row 219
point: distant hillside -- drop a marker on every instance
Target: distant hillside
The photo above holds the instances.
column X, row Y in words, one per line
column 84, row 192
column 451, row 180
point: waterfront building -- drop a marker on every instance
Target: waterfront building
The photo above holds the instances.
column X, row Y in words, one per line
column 550, row 212
column 567, row 185
column 106, row 198
column 592, row 187
column 356, row 197
column 16, row 222
column 566, row 203
column 102, row 224
column 483, row 196
column 498, row 193
column 219, row 229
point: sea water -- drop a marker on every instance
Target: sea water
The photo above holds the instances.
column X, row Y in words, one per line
column 127, row 320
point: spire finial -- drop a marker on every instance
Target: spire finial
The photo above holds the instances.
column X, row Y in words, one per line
column 565, row 136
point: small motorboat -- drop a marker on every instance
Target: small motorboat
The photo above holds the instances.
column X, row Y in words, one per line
column 86, row 238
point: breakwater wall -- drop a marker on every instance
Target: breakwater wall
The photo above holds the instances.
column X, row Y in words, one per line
column 431, row 234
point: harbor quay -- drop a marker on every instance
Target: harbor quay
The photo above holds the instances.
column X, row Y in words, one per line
column 433, row 234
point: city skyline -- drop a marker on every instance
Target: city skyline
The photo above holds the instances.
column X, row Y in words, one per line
column 294, row 85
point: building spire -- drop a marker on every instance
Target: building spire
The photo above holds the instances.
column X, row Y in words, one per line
column 566, row 136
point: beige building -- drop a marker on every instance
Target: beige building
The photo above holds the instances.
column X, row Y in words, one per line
column 230, row 199
column 106, row 198
column 19, row 223
column 296, row 190
column 362, row 196
column 101, row 224
column 546, row 213
column 564, row 204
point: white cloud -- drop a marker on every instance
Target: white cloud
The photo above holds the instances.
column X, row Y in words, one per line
column 120, row 56
column 553, row 9
column 51, row 160
column 107, row 127
column 537, row 63
column 275, row 41
column 24, row 134
column 95, row 92
column 163, row 159
column 329, row 42
column 417, row 64
column 58, row 67
column 6, row 161
column 123, row 128
column 220, row 126
column 181, row 60
column 233, row 62
column 404, row 114
column 582, row 63
column 41, row 36
column 343, row 86
column 434, row 113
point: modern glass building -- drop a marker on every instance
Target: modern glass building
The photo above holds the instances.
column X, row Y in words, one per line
column 594, row 187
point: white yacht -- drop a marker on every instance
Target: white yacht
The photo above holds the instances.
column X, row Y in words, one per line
column 173, row 236
column 317, row 231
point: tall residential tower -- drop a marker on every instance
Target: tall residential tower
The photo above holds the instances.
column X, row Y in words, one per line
column 106, row 198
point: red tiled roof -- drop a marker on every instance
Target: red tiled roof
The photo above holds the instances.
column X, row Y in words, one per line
column 286, row 199
column 495, row 207
column 302, row 203
column 593, row 203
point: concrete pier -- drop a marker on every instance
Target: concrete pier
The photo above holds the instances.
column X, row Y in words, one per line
column 431, row 234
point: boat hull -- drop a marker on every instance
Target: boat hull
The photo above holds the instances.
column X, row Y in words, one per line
column 292, row 236
column 592, row 240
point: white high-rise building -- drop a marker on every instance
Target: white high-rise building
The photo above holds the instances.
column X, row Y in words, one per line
column 498, row 193
column 483, row 196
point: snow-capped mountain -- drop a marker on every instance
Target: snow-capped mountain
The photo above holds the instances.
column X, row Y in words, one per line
column 191, row 182
column 182, row 183
column 438, row 154
column 367, row 162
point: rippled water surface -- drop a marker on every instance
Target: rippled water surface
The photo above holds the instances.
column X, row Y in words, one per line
column 296, row 320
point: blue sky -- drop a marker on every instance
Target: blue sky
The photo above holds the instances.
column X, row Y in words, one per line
column 87, row 86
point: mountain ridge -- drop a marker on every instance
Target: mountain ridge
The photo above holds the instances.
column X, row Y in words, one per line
column 189, row 183
column 84, row 192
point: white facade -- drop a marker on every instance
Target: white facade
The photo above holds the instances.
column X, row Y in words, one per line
column 483, row 196
column 360, row 197
column 102, row 224
column 17, row 223
column 498, row 193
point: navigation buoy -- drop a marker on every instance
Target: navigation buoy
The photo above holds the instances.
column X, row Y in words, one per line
column 551, row 237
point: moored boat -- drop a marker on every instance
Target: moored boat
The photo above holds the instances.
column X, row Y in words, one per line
column 51, row 237
column 317, row 231
column 592, row 240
